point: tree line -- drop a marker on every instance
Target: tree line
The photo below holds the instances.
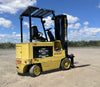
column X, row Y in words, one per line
column 83, row 43
column 9, row 45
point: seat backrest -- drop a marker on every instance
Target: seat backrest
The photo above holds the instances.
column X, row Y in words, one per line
column 34, row 31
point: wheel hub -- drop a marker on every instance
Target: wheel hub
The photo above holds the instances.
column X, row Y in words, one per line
column 37, row 70
column 67, row 64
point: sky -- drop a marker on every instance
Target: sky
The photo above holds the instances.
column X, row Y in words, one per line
column 83, row 18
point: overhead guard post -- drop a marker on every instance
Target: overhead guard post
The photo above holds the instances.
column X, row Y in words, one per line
column 30, row 24
column 21, row 29
column 44, row 29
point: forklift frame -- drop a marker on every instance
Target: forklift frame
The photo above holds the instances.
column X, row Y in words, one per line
column 30, row 56
column 40, row 13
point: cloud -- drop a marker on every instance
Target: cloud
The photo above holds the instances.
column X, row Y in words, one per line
column 14, row 33
column 5, row 23
column 49, row 23
column 53, row 30
column 84, row 34
column 99, row 6
column 74, row 26
column 12, row 6
column 14, row 38
column 71, row 19
column 86, row 23
column 91, row 31
column 26, row 24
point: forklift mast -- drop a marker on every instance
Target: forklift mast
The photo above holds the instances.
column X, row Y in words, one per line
column 61, row 31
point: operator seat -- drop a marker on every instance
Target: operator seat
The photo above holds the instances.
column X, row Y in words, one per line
column 35, row 31
column 36, row 34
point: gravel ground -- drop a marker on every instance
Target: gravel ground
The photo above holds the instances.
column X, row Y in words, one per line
column 85, row 74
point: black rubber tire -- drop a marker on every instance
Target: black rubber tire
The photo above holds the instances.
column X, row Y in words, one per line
column 19, row 73
column 31, row 71
column 63, row 63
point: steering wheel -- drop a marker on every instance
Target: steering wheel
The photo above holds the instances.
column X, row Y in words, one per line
column 40, row 34
column 48, row 29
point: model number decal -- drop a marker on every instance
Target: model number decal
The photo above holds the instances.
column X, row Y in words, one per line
column 57, row 53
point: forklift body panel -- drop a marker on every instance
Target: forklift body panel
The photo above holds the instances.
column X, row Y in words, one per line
column 39, row 53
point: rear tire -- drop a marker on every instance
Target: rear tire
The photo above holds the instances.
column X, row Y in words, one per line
column 65, row 64
column 35, row 70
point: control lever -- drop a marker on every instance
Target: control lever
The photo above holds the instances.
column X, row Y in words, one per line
column 48, row 29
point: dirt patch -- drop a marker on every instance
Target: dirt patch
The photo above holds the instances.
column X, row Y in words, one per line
column 86, row 73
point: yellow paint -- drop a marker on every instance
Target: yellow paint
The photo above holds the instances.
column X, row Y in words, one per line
column 66, row 64
column 37, row 70
column 65, row 27
column 18, row 52
column 24, row 53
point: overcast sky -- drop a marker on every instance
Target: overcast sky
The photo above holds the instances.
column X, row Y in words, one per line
column 83, row 18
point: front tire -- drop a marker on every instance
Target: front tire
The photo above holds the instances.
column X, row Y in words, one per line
column 65, row 64
column 35, row 70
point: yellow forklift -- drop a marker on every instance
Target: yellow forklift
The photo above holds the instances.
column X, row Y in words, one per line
column 44, row 53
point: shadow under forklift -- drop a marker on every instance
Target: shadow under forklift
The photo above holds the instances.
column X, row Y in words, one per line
column 50, row 52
